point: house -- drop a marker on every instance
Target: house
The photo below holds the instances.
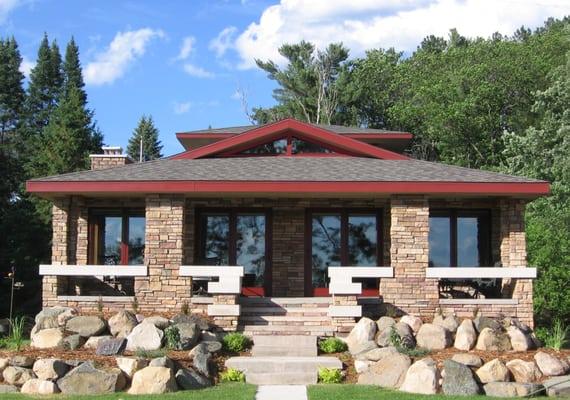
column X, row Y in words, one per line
column 289, row 214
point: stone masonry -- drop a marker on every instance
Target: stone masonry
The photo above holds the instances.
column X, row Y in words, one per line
column 111, row 157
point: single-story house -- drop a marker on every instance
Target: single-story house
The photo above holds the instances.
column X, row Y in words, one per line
column 289, row 216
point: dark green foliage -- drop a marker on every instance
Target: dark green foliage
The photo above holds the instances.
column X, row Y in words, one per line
column 235, row 342
column 147, row 132
column 172, row 335
column 332, row 345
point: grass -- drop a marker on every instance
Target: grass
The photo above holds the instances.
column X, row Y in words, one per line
column 15, row 341
column 558, row 336
column 224, row 391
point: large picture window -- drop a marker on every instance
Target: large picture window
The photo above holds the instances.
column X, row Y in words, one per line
column 116, row 237
column 459, row 238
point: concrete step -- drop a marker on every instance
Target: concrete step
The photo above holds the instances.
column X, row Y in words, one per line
column 284, row 346
column 283, row 310
column 288, row 329
column 287, row 301
column 281, row 378
column 251, row 319
column 268, row 365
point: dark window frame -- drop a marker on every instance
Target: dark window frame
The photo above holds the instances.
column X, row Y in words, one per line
column 485, row 235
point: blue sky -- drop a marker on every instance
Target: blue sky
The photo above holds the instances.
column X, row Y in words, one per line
column 183, row 61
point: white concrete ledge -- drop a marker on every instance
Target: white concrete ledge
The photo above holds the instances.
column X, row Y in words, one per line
column 229, row 277
column 107, row 299
column 223, row 310
column 501, row 302
column 480, row 273
column 341, row 278
column 345, row 311
column 93, row 270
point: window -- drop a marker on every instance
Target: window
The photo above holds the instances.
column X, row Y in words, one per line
column 272, row 148
column 116, row 237
column 299, row 146
column 287, row 146
column 459, row 238
column 343, row 238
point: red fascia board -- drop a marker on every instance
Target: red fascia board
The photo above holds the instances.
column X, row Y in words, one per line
column 266, row 132
column 494, row 188
column 183, row 135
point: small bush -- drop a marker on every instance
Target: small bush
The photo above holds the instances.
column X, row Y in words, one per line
column 330, row 375
column 172, row 335
column 232, row 375
column 235, row 342
column 332, row 345
column 149, row 354
column 404, row 347
column 185, row 308
column 557, row 337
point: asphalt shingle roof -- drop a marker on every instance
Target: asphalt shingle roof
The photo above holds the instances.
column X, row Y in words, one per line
column 308, row 169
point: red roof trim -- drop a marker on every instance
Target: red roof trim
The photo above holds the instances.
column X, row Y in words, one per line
column 183, row 135
column 266, row 132
column 494, row 188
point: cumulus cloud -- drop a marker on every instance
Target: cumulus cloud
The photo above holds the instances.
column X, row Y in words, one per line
column 6, row 7
column 182, row 108
column 124, row 50
column 186, row 48
column 221, row 43
column 197, row 72
column 26, row 66
column 367, row 24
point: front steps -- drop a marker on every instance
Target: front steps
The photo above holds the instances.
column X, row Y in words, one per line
column 283, row 360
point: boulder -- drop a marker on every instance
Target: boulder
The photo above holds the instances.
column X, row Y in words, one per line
column 8, row 389
column 388, row 372
column 207, row 336
column 188, row 379
column 50, row 369
column 466, row 336
column 458, row 380
column 481, row 322
column 362, row 332
column 93, row 342
column 512, row 389
column 65, row 316
column 422, row 377
column 413, row 322
column 378, row 354
column 451, row 323
column 22, row 361
column 47, row 338
column 202, row 364
column 158, row 321
column 550, row 365
column 524, row 371
column 153, row 380
column 493, row 371
column 201, row 323
column 122, row 323
column 385, row 322
column 189, row 335
column 86, row 379
column 206, row 347
column 72, row 342
column 86, row 325
column 493, row 340
column 557, row 386
column 433, row 337
column 145, row 336
column 17, row 376
column 363, row 348
column 361, row 366
column 111, row 347
column 471, row 360
column 520, row 341
column 4, row 327
column 4, row 362
column 403, row 330
column 162, row 362
column 48, row 317
column 38, row 386
column 130, row 365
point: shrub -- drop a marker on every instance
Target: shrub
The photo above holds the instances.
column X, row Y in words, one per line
column 232, row 375
column 332, row 345
column 557, row 337
column 185, row 308
column 404, row 347
column 172, row 335
column 17, row 332
column 330, row 375
column 149, row 354
column 235, row 342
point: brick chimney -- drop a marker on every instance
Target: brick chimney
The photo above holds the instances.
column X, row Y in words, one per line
column 112, row 157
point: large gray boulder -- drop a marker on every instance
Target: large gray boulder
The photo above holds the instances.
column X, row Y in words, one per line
column 206, row 347
column 86, row 325
column 93, row 342
column 203, row 325
column 202, row 363
column 558, row 386
column 493, row 371
column 377, row 354
column 50, row 369
column 524, row 371
column 188, row 379
column 520, row 341
column 550, row 365
column 458, row 380
column 363, row 347
column 86, row 379
column 47, row 338
column 17, row 376
column 451, row 323
column 111, row 347
column 38, row 386
column 389, row 372
column 145, row 336
column 433, row 337
column 158, row 321
column 363, row 332
column 422, row 377
column 481, row 322
column 153, row 380
column 161, row 362
column 412, row 321
column 466, row 336
column 385, row 322
column 404, row 332
column 512, row 389
column 471, row 360
column 493, row 340
column 130, row 365
column 122, row 323
column 72, row 342
column 4, row 389
column 22, row 361
column 48, row 317
column 189, row 335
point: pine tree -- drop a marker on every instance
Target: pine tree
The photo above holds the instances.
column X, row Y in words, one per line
column 72, row 75
column 148, row 133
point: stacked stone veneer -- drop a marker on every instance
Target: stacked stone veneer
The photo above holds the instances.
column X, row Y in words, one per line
column 111, row 157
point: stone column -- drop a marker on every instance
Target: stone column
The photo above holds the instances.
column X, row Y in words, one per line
column 409, row 291
column 59, row 250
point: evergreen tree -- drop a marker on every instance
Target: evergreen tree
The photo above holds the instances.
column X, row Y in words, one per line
column 72, row 75
column 147, row 132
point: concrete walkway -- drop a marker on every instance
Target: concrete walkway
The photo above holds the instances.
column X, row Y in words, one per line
column 281, row 392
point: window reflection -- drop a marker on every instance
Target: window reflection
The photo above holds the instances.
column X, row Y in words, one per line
column 136, row 240
column 216, row 239
column 250, row 246
column 113, row 229
column 299, row 146
column 275, row 147
column 325, row 246
column 468, row 242
column 362, row 240
column 439, row 242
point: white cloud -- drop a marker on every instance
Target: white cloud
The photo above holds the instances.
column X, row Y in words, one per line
column 221, row 43
column 186, row 48
column 197, row 72
column 6, row 7
column 367, row 24
column 26, row 66
column 182, row 108
column 125, row 48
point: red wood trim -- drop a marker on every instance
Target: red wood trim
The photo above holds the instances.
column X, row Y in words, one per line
column 184, row 135
column 288, row 187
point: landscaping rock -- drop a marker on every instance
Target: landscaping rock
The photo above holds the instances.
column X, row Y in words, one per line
column 378, row 354
column 93, row 341
column 558, row 386
column 493, row 371
column 422, row 377
column 66, row 315
column 466, row 336
column 403, row 330
column 207, row 336
column 362, row 332
column 188, row 379
column 47, row 338
column 159, row 322
column 189, row 334
column 550, row 365
column 73, row 342
column 122, row 323
column 388, row 372
column 451, row 323
column 202, row 364
column 200, row 322
column 22, row 361
column 153, row 380
column 524, row 371
column 145, row 336
column 86, row 326
column 412, row 321
column 17, row 376
column 511, row 389
column 520, row 341
column 4, row 362
column 38, row 386
column 111, row 347
column 363, row 347
column 493, row 340
column 8, row 389
column 433, row 337
column 48, row 317
column 206, row 347
column 471, row 360
column 458, row 380
column 481, row 322
column 385, row 322
column 130, row 365
column 361, row 366
column 86, row 379
column 50, row 369
column 162, row 362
